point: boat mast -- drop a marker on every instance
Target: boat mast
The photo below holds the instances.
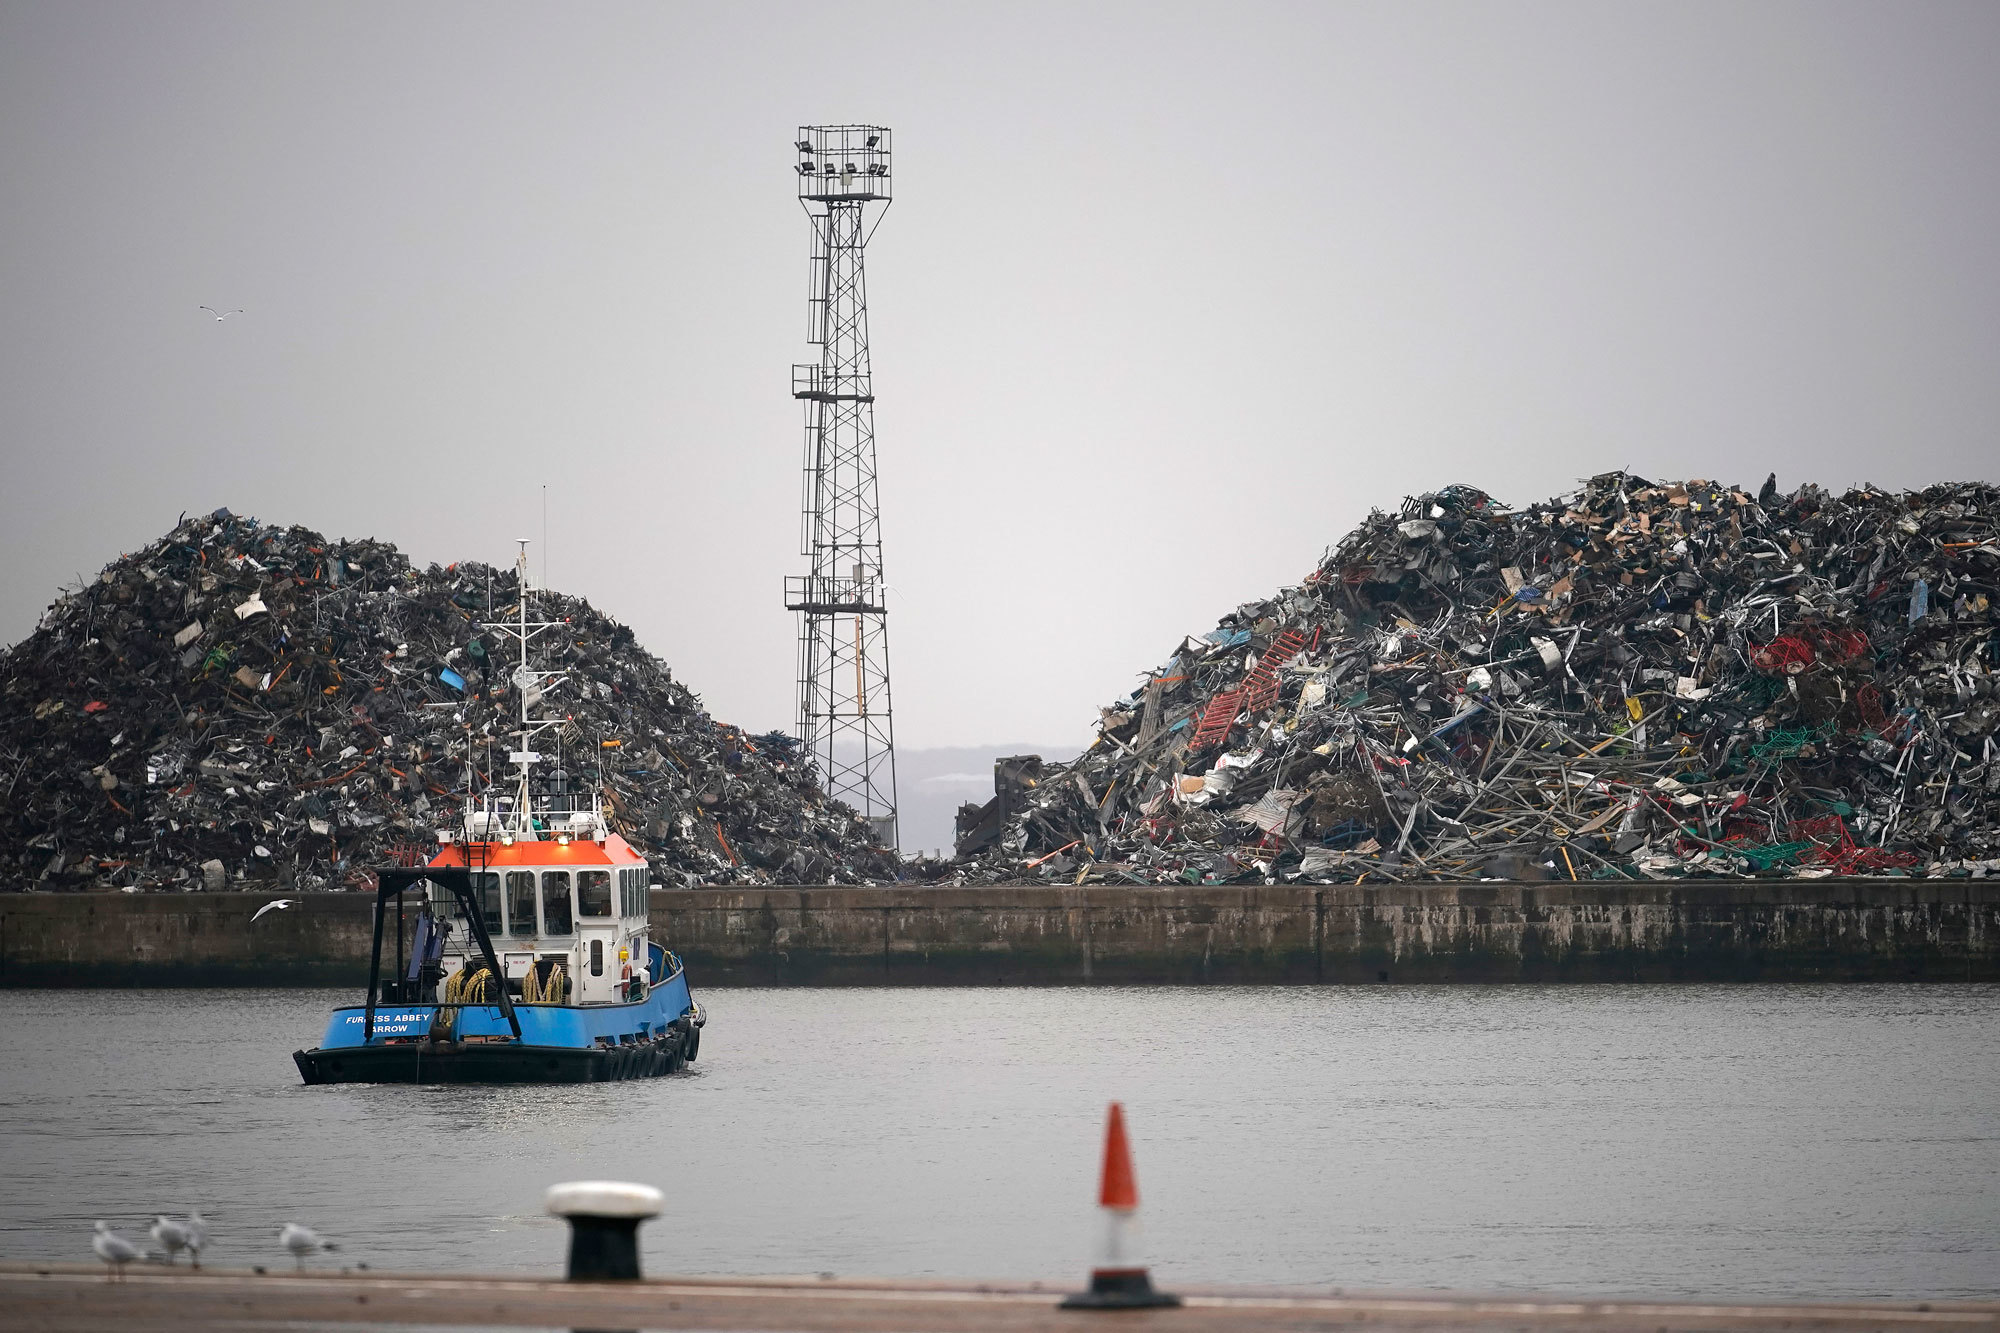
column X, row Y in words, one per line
column 527, row 684
column 524, row 757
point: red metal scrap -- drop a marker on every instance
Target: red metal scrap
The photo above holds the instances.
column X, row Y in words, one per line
column 1216, row 720
column 1787, row 654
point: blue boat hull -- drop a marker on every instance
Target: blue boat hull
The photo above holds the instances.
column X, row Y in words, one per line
column 425, row 1061
column 473, row 1043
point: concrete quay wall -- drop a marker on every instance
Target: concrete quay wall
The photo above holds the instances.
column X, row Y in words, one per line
column 1876, row 930
column 1335, row 934
column 183, row 939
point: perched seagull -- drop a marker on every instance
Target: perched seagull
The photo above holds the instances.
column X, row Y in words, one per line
column 197, row 1235
column 220, row 315
column 170, row 1236
column 276, row 905
column 113, row 1249
column 302, row 1242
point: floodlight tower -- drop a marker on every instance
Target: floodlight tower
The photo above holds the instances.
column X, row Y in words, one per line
column 844, row 716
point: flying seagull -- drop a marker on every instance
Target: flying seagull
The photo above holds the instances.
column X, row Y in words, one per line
column 275, row 905
column 113, row 1249
column 220, row 315
column 170, row 1236
column 302, row 1241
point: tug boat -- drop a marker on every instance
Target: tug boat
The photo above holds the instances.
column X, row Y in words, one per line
column 521, row 952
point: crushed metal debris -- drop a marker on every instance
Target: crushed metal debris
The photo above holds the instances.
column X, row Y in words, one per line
column 241, row 705
column 1636, row 679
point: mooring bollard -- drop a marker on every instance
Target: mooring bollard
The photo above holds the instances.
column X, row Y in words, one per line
column 604, row 1218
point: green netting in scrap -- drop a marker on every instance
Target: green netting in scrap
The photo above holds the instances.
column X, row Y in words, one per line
column 1775, row 854
column 1758, row 693
column 1789, row 742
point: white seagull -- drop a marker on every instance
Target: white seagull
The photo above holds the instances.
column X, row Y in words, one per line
column 113, row 1249
column 169, row 1235
column 220, row 315
column 197, row 1235
column 276, row 905
column 302, row 1241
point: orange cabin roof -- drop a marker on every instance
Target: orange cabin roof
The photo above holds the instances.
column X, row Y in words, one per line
column 613, row 851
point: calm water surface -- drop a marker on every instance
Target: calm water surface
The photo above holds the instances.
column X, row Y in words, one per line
column 1751, row 1141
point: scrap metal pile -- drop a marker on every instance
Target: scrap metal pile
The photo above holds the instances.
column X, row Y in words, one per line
column 1637, row 679
column 241, row 704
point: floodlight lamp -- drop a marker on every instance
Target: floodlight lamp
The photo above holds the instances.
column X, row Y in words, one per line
column 829, row 168
column 874, row 139
column 562, row 839
column 804, row 147
column 805, row 168
column 848, row 167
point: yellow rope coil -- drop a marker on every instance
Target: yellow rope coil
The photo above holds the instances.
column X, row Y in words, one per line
column 476, row 988
column 553, row 990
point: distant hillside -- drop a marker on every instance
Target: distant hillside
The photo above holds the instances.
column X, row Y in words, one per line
column 932, row 784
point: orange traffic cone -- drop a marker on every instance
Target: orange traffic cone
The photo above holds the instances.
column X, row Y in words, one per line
column 1119, row 1280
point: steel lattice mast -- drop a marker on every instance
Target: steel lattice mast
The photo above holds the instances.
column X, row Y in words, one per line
column 844, row 715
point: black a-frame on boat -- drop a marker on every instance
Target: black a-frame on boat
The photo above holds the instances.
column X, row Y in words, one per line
column 458, row 883
column 655, row 1034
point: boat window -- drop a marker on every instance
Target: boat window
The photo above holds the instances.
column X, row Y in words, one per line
column 486, row 887
column 521, row 901
column 593, row 892
column 556, row 915
column 624, row 892
column 596, row 950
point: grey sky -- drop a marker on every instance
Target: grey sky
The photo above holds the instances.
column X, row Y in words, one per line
column 1171, row 295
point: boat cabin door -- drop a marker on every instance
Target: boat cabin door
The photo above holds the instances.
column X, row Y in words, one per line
column 597, row 933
